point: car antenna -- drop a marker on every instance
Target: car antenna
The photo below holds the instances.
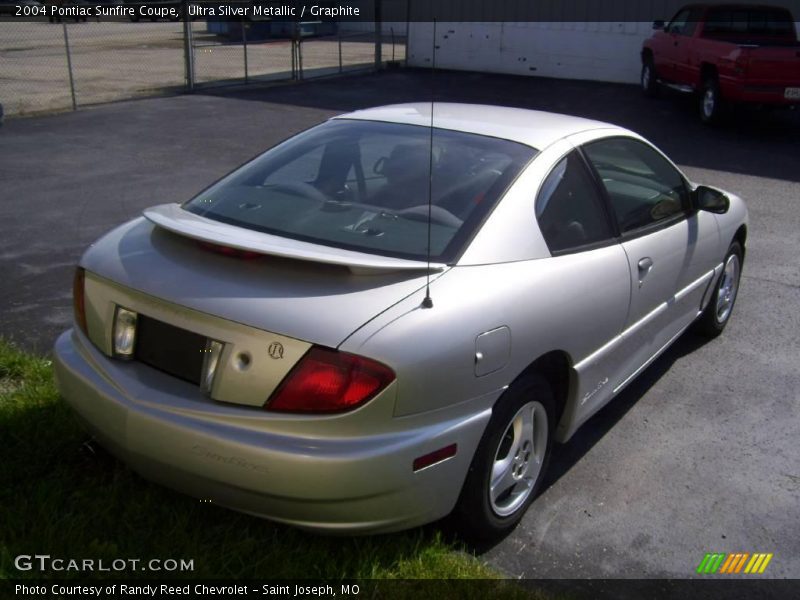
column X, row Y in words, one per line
column 428, row 301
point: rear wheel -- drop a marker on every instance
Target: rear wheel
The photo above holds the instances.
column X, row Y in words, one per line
column 718, row 312
column 649, row 79
column 710, row 101
column 510, row 462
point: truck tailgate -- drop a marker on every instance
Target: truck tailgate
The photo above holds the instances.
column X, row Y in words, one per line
column 773, row 65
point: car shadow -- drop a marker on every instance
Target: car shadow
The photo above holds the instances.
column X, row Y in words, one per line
column 565, row 456
column 750, row 142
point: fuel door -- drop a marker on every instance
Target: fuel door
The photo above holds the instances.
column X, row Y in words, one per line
column 492, row 350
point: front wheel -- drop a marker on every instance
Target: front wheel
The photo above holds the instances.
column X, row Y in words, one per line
column 510, row 462
column 649, row 79
column 718, row 312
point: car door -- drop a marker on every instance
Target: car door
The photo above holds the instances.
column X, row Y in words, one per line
column 683, row 51
column 588, row 263
column 670, row 247
column 669, row 51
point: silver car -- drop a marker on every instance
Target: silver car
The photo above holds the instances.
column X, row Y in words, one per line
column 378, row 322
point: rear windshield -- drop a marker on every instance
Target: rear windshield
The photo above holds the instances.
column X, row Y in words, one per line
column 745, row 21
column 363, row 185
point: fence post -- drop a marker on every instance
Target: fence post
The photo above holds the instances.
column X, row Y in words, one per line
column 244, row 41
column 378, row 36
column 188, row 49
column 408, row 30
column 294, row 52
column 294, row 67
column 69, row 67
column 299, row 52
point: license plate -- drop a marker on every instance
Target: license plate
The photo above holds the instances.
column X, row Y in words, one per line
column 792, row 93
column 169, row 348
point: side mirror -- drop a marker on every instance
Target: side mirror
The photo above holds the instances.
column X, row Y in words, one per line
column 658, row 24
column 711, row 200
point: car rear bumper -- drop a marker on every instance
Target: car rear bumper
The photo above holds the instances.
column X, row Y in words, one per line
column 766, row 94
column 348, row 483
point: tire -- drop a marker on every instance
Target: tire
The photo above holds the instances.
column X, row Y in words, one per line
column 649, row 78
column 716, row 315
column 522, row 420
column 711, row 103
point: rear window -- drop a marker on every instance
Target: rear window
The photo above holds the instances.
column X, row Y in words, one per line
column 364, row 186
column 768, row 22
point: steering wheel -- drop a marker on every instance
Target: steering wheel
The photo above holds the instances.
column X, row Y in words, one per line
column 300, row 188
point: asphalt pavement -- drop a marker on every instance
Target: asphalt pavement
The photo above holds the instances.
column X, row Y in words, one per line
column 700, row 454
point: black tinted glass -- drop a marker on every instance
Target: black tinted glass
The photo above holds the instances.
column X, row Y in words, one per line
column 569, row 209
column 644, row 188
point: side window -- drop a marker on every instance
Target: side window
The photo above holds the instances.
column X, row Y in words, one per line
column 569, row 209
column 644, row 188
column 679, row 23
column 691, row 24
column 744, row 21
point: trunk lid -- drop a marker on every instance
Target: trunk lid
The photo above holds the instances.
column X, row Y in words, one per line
column 307, row 298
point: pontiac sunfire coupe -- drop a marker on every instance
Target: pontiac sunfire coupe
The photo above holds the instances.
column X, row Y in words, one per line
column 273, row 344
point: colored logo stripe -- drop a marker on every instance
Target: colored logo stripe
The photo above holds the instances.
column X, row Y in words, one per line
column 758, row 563
column 710, row 563
column 734, row 563
column 720, row 562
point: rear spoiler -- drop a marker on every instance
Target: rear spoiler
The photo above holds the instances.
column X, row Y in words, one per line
column 177, row 220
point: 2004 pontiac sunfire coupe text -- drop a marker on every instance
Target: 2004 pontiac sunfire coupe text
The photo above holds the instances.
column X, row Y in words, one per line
column 270, row 343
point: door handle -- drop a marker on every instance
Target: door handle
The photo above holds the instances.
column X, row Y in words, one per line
column 645, row 266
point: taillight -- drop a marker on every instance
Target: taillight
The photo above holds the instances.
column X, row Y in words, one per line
column 124, row 332
column 326, row 381
column 79, row 300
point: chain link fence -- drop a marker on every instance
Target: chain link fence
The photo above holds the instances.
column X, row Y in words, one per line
column 61, row 66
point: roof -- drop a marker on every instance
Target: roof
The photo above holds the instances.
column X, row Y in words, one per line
column 531, row 127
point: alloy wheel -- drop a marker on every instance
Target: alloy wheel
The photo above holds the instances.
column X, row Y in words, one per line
column 519, row 459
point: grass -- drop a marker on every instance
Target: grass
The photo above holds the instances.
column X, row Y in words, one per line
column 59, row 495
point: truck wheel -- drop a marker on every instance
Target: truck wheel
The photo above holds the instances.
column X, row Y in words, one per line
column 649, row 78
column 710, row 101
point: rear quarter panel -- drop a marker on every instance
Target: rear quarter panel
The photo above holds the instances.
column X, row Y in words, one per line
column 574, row 303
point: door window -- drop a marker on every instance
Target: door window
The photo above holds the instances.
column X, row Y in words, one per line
column 684, row 22
column 643, row 187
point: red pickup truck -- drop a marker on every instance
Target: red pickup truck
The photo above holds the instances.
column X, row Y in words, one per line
column 727, row 54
